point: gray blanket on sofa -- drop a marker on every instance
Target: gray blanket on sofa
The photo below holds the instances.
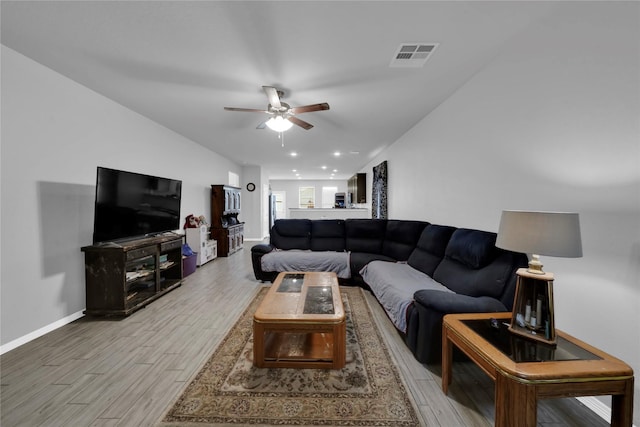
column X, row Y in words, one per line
column 299, row 260
column 394, row 284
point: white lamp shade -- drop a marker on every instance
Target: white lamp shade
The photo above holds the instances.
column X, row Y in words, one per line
column 542, row 233
column 279, row 124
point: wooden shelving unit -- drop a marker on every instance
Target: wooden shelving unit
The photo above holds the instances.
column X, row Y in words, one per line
column 122, row 277
column 225, row 226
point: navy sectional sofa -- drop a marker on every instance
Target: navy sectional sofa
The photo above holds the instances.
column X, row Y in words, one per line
column 418, row 271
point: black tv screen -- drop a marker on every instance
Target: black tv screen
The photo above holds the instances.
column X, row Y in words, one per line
column 131, row 205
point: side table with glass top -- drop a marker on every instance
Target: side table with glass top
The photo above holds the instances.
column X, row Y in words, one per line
column 525, row 370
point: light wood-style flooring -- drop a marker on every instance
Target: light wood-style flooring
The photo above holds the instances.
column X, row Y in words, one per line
column 127, row 372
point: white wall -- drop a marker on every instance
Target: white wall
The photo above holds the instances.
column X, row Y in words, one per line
column 550, row 124
column 55, row 133
column 291, row 188
column 252, row 201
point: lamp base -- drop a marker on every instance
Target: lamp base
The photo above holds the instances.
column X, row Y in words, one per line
column 535, row 266
column 533, row 313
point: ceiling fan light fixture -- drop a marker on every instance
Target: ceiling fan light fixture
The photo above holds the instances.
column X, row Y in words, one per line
column 279, row 124
column 283, row 115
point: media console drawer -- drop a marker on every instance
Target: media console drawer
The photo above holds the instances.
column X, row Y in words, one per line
column 140, row 253
column 170, row 245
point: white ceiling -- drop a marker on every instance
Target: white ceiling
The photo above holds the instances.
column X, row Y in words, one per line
column 179, row 63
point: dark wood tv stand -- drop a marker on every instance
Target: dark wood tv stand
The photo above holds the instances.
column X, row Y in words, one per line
column 122, row 277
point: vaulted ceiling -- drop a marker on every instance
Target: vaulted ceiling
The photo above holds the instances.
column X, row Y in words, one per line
column 180, row 62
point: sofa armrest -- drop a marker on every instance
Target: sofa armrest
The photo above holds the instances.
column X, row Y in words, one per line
column 262, row 248
column 445, row 302
column 257, row 251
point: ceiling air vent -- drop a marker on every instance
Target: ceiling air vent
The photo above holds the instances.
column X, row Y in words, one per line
column 412, row 55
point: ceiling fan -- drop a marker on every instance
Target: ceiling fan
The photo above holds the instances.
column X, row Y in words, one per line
column 283, row 116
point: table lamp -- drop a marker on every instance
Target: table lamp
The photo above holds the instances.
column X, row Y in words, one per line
column 537, row 233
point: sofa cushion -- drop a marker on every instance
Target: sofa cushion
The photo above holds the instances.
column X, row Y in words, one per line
column 328, row 235
column 401, row 238
column 430, row 248
column 291, row 234
column 473, row 248
column 470, row 266
column 491, row 280
column 296, row 260
column 394, row 284
column 365, row 235
column 357, row 260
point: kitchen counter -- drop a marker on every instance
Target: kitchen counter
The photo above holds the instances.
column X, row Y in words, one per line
column 328, row 213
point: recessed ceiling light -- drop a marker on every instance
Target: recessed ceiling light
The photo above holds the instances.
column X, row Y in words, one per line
column 294, row 170
column 323, row 167
column 337, row 154
column 293, row 154
column 335, row 170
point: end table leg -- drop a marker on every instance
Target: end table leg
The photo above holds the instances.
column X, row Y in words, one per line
column 516, row 404
column 622, row 407
column 447, row 359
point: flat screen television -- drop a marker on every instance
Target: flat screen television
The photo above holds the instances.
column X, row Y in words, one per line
column 130, row 205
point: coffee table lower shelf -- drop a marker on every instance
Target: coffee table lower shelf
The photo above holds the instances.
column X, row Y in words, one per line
column 302, row 347
column 299, row 346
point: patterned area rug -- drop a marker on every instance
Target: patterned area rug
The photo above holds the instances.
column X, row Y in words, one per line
column 229, row 390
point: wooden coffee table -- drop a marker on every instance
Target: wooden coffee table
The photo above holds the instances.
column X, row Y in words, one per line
column 525, row 370
column 301, row 323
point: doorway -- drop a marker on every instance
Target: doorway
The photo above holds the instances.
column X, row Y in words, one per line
column 279, row 204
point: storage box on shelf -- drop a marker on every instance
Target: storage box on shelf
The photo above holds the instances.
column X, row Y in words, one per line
column 199, row 241
column 122, row 277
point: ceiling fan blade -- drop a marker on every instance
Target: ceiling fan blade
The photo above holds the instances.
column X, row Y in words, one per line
column 262, row 125
column 272, row 95
column 309, row 108
column 246, row 110
column 301, row 123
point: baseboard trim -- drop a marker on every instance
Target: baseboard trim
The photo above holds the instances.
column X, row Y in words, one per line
column 599, row 408
column 40, row 332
